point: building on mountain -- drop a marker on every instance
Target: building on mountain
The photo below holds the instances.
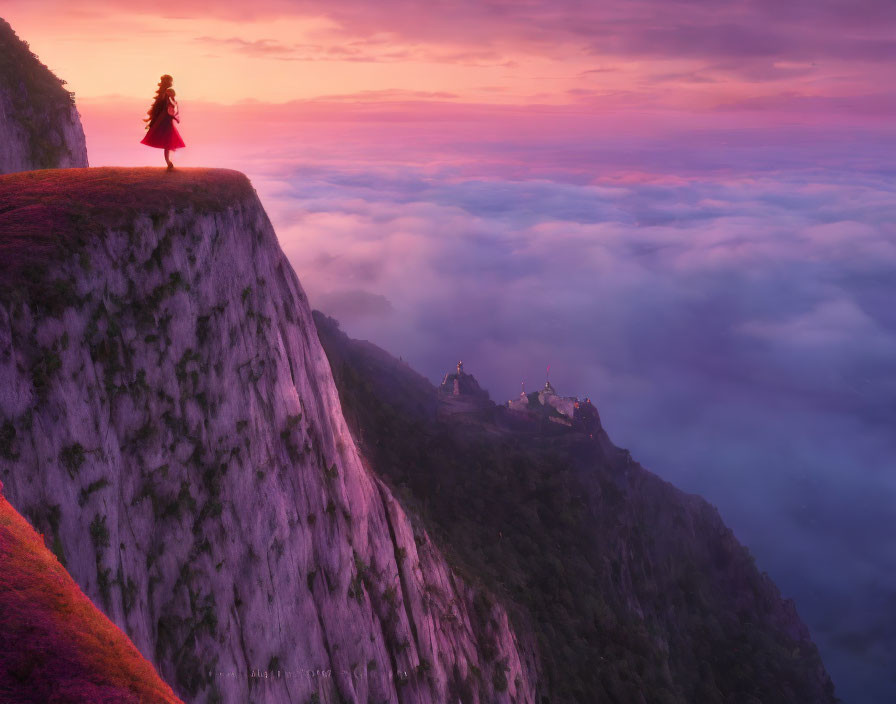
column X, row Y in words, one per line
column 571, row 411
column 460, row 383
column 564, row 405
column 459, row 392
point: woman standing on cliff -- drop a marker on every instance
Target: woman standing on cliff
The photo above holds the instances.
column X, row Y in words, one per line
column 161, row 132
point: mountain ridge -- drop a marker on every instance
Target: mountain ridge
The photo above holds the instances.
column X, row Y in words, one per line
column 662, row 602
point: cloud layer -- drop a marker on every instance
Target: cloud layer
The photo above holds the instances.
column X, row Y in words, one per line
column 726, row 300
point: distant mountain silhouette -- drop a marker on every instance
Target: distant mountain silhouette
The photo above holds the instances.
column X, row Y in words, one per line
column 634, row 590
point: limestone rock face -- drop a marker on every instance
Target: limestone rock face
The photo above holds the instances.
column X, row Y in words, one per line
column 169, row 420
column 39, row 125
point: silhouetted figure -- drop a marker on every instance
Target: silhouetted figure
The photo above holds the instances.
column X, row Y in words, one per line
column 161, row 132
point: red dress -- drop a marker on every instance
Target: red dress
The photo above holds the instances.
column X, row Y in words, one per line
column 162, row 133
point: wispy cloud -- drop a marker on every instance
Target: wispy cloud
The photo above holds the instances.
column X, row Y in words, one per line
column 366, row 50
column 668, row 52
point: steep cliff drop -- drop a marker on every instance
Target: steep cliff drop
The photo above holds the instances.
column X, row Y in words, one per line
column 39, row 125
column 56, row 646
column 169, row 420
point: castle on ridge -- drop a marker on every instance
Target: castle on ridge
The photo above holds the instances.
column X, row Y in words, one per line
column 459, row 392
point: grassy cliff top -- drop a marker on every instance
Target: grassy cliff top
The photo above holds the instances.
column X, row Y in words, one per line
column 47, row 213
column 56, row 645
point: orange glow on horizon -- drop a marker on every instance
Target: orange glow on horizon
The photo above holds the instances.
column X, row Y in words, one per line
column 276, row 60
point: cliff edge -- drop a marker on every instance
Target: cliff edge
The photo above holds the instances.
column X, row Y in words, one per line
column 169, row 420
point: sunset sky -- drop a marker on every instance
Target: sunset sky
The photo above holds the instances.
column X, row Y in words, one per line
column 686, row 207
column 628, row 54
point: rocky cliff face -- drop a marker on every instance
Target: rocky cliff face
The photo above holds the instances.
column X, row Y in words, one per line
column 39, row 125
column 169, row 420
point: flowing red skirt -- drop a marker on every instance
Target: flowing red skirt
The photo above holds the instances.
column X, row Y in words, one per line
column 163, row 134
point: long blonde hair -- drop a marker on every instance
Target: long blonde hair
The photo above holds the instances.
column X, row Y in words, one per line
column 158, row 103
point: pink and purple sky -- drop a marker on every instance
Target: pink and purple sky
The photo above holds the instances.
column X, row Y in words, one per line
column 687, row 208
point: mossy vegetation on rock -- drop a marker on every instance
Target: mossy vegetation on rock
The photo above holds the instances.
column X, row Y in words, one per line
column 175, row 404
column 53, row 214
column 37, row 111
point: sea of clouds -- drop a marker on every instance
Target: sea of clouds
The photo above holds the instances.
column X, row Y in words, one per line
column 725, row 296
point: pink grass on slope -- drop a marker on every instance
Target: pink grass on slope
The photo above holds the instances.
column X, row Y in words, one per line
column 55, row 644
